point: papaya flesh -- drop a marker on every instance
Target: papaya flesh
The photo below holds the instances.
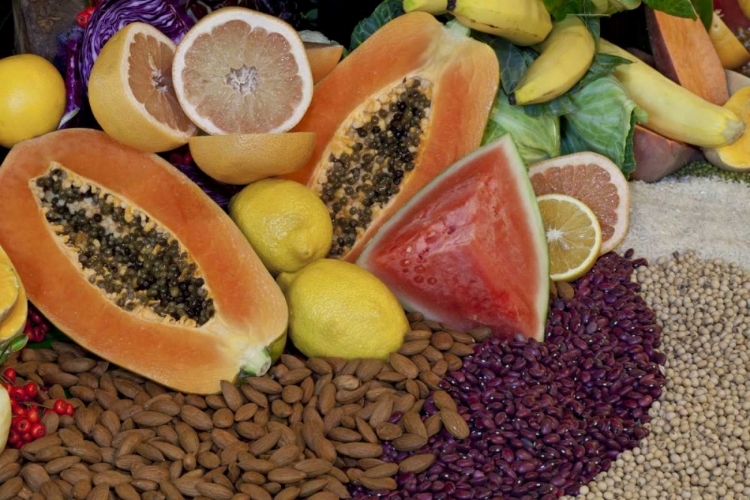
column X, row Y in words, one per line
column 402, row 107
column 129, row 258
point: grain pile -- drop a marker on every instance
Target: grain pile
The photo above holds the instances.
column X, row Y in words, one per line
column 308, row 429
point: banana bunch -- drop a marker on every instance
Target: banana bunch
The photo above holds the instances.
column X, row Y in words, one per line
column 673, row 111
column 564, row 58
column 523, row 22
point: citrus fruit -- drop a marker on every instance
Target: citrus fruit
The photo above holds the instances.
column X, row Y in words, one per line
column 238, row 71
column 246, row 158
column 8, row 290
column 596, row 181
column 15, row 320
column 573, row 234
column 286, row 223
column 6, row 416
column 32, row 98
column 338, row 309
column 131, row 92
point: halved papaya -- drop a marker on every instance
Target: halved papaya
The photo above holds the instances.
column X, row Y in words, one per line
column 127, row 256
column 402, row 107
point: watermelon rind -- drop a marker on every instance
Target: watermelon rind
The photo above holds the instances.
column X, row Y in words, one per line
column 516, row 173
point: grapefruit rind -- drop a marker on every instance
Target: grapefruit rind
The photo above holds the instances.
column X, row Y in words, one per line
column 617, row 179
column 514, row 171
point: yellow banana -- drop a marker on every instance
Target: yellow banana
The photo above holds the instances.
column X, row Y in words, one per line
column 523, row 22
column 435, row 7
column 673, row 111
column 565, row 57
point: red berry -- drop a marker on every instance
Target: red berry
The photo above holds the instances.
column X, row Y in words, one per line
column 10, row 374
column 187, row 159
column 70, row 410
column 17, row 394
column 27, row 437
column 38, row 430
column 33, row 414
column 21, row 425
column 19, row 411
column 31, row 390
column 60, row 406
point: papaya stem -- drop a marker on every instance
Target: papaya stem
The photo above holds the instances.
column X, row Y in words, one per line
column 457, row 29
column 257, row 362
column 11, row 345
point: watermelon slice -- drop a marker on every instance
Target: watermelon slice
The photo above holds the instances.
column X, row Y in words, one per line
column 470, row 248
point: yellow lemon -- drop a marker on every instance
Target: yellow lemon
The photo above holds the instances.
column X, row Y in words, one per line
column 9, row 290
column 32, row 98
column 337, row 309
column 286, row 223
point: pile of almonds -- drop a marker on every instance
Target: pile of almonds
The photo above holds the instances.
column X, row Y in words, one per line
column 308, row 429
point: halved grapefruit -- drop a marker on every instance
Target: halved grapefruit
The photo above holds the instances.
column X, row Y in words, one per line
column 597, row 182
column 238, row 71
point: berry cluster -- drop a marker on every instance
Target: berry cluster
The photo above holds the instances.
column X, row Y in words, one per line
column 36, row 326
column 177, row 159
column 26, row 423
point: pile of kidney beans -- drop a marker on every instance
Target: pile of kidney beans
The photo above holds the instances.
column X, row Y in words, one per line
column 548, row 417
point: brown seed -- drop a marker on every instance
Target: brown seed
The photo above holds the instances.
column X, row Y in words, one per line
column 84, row 393
column 327, row 398
column 347, row 397
column 318, row 366
column 265, row 385
column 413, row 347
column 389, row 376
column 313, row 466
column 187, row 436
column 417, row 335
column 388, row 431
column 168, row 434
column 433, row 424
column 383, row 483
column 285, row 455
column 366, row 430
column 312, row 486
column 565, row 290
column 440, row 368
column 245, row 412
column 336, row 486
column 444, row 401
column 9, row 471
column 9, row 456
column 39, row 444
column 462, row 350
column 82, row 488
column 85, row 419
column 280, row 409
column 151, row 472
column 101, row 436
column 347, row 382
column 442, row 340
column 11, row 488
column 412, row 423
column 359, row 450
column 430, row 379
column 295, row 376
column 196, row 418
column 60, row 378
column 257, row 465
column 431, row 354
column 111, row 478
column 128, row 462
column 50, row 453
column 286, row 475
column 482, row 333
column 455, row 424
column 292, row 394
column 164, row 405
column 265, row 443
column 223, row 418
column 344, row 435
column 77, row 365
column 288, row 493
column 416, row 463
column 34, row 475
column 325, row 495
column 58, row 465
column 108, row 400
column 250, row 430
column 75, row 474
column 170, row 491
column 384, row 470
column 87, row 451
column 403, row 365
column 126, row 492
column 324, row 449
column 100, row 492
column 409, row 442
column 368, row 368
column 149, row 452
column 422, row 363
column 382, row 412
column 404, row 403
column 214, row 491
column 255, row 492
column 254, row 396
column 151, row 418
column 188, row 486
column 169, row 450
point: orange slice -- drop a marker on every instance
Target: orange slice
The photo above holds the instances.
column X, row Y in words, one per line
column 596, row 181
column 131, row 93
column 238, row 71
column 573, row 235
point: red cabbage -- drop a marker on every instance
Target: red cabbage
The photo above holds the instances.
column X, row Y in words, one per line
column 286, row 10
column 67, row 54
column 168, row 16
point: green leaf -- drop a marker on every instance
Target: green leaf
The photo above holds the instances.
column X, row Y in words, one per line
column 678, row 8
column 705, row 10
column 561, row 8
column 513, row 60
column 604, row 123
column 386, row 11
column 602, row 65
column 592, row 23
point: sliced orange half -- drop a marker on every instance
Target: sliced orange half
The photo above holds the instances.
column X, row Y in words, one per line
column 131, row 93
column 238, row 71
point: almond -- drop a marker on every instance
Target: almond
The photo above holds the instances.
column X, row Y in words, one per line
column 245, row 412
column 288, row 493
column 285, row 455
column 169, row 450
column 164, row 405
column 151, row 418
column 442, row 340
column 412, row 423
column 265, row 443
column 151, row 472
column 11, row 487
column 444, row 401
column 77, row 365
column 368, row 368
column 318, row 366
column 100, row 492
column 347, row 382
column 390, row 376
column 383, row 483
column 126, row 387
column 366, row 430
column 413, row 347
column 257, row 465
column 223, row 418
column 292, row 394
column 250, row 430
column 187, row 437
column 293, row 377
column 481, row 333
column 87, row 451
column 313, row 466
column 384, row 470
column 149, row 452
column 188, row 486
column 34, row 475
column 382, row 411
column 196, row 418
column 126, row 492
column 346, row 397
column 286, row 475
column 254, row 396
column 51, row 453
column 409, row 442
column 327, row 398
column 417, row 335
column 214, row 491
column 85, row 419
column 359, row 450
column 265, row 385
column 111, row 478
column 8, row 471
column 344, row 435
column 430, row 379
column 310, row 488
column 455, row 424
column 416, row 463
column 39, row 444
column 388, row 431
column 461, row 350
